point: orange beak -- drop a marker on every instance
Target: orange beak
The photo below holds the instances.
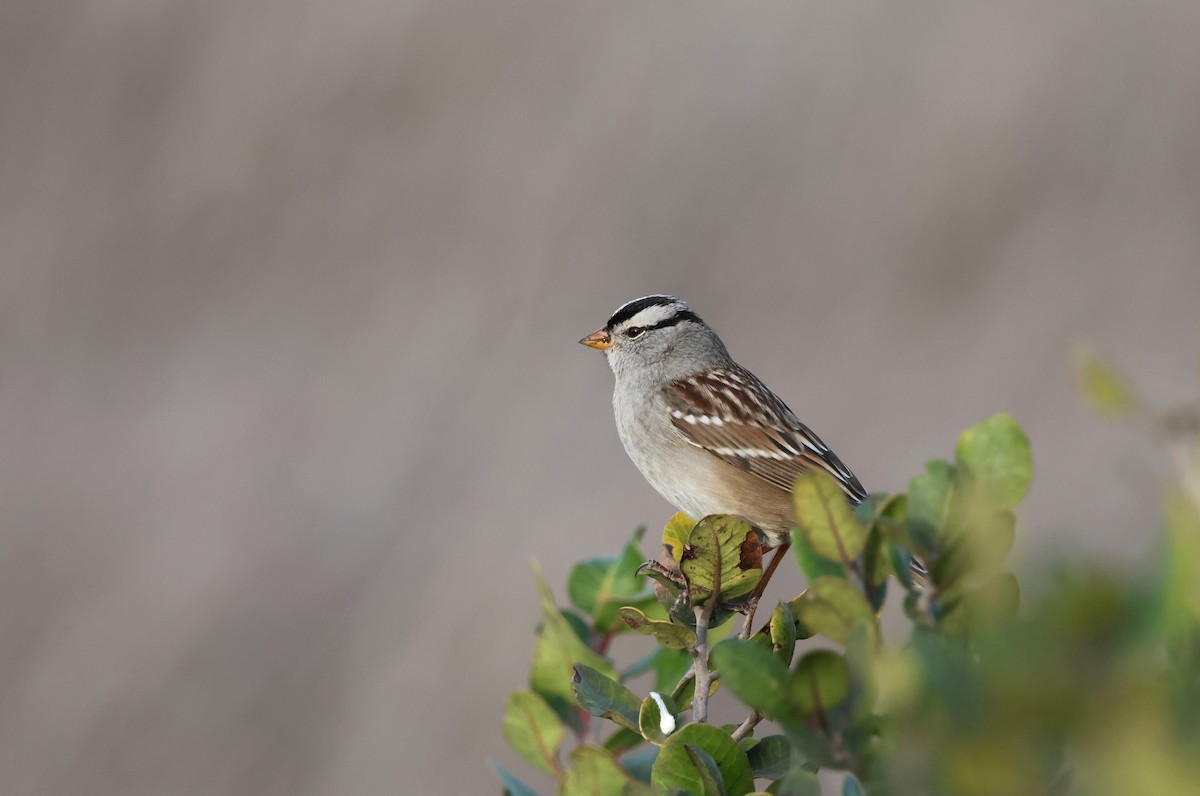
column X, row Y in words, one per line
column 599, row 339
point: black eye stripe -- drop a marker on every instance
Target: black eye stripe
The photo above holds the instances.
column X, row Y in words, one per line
column 677, row 318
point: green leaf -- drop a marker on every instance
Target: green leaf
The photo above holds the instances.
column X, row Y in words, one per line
column 771, row 757
column 586, row 580
column 814, row 748
column 1183, row 650
column 711, row 783
column 862, row 739
column 995, row 454
column 1104, row 389
column 889, row 512
column 798, row 782
column 929, row 501
column 893, row 524
column 754, row 674
column 979, row 548
column 577, row 623
column 901, row 561
column 722, row 548
column 1179, row 579
column 832, row 607
column 657, row 717
column 669, row 669
column 640, row 761
column 601, row 585
column 668, row 634
column 821, row 680
column 595, row 772
column 813, row 566
column 639, row 667
column 556, row 652
column 512, row 785
column 675, row 771
column 667, row 576
column 533, row 730
column 864, row 688
column 964, row 609
column 600, row 695
column 622, row 740
column 1000, row 596
column 685, row 692
column 667, row 664
column 826, row 519
column 783, row 633
column 875, row 567
column 676, row 533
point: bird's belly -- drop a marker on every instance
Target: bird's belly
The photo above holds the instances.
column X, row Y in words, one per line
column 699, row 483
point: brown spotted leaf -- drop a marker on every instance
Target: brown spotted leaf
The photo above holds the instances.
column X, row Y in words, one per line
column 724, row 552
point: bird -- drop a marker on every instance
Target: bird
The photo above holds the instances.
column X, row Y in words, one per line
column 704, row 431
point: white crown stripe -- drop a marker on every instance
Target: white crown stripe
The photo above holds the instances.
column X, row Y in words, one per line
column 653, row 315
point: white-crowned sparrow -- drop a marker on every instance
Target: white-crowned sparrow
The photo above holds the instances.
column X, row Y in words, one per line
column 704, row 431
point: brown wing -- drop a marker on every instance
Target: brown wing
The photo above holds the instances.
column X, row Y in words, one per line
column 732, row 415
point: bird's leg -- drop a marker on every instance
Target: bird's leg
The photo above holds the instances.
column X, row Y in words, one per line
column 752, row 604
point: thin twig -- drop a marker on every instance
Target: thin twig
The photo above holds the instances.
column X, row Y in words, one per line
column 747, row 726
column 603, row 642
column 756, row 595
column 700, row 652
column 677, row 691
column 748, row 625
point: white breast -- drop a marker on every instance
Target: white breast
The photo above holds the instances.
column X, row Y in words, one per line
column 682, row 473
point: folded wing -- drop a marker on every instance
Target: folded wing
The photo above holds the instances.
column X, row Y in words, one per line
column 732, row 415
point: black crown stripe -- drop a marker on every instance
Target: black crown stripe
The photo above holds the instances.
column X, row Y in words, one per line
column 637, row 305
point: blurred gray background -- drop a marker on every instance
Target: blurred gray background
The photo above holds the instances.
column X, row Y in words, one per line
column 289, row 296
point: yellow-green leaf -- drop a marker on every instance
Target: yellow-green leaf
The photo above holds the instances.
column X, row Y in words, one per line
column 657, row 717
column 722, row 548
column 534, row 730
column 556, row 652
column 676, row 533
column 826, row 519
column 783, row 633
column 821, row 680
column 667, row 633
column 595, row 772
column 929, row 500
column 995, row 456
column 832, row 607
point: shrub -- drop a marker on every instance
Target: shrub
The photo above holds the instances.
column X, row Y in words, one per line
column 1092, row 687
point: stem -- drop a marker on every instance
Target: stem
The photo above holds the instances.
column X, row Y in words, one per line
column 700, row 653
column 748, row 625
column 700, row 664
column 747, row 726
column 756, row 595
column 677, row 691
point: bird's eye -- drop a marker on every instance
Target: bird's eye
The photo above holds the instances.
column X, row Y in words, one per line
column 634, row 332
